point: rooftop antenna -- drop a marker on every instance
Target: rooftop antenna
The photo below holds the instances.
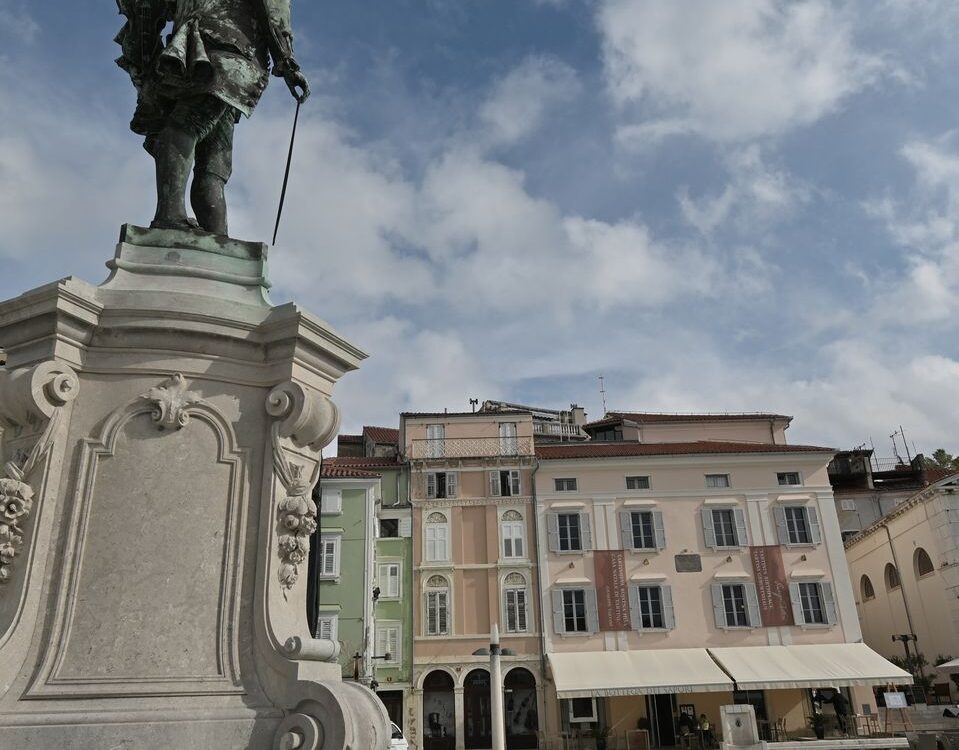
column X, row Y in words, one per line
column 602, row 392
column 474, row 402
column 905, row 445
column 895, row 446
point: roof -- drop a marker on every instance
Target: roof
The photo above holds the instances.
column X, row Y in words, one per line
column 367, row 462
column 484, row 414
column 700, row 447
column 389, row 435
column 333, row 469
column 613, row 417
column 349, row 438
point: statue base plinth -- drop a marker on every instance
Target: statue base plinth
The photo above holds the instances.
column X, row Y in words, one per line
column 164, row 431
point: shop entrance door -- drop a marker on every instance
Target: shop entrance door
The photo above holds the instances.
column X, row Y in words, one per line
column 661, row 710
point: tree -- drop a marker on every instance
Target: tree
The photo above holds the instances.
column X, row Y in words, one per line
column 942, row 460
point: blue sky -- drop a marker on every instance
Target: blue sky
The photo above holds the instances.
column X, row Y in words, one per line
column 738, row 205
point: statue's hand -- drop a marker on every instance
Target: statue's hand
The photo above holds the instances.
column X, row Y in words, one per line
column 298, row 85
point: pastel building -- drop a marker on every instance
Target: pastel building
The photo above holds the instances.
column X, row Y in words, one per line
column 687, row 562
column 905, row 572
column 471, row 488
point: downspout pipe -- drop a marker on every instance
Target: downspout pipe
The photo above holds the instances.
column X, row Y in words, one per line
column 902, row 589
column 537, row 578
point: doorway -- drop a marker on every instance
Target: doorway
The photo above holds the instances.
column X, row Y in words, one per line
column 661, row 710
column 522, row 721
column 478, row 724
column 393, row 701
column 439, row 721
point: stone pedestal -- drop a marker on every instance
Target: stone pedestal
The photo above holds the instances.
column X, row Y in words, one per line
column 161, row 437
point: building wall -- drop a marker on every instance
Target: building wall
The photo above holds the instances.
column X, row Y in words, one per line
column 758, row 431
column 924, row 605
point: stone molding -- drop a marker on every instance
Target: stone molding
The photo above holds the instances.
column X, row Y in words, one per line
column 171, row 402
column 28, row 397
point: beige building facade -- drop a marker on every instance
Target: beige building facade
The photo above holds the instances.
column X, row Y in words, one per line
column 905, row 571
column 471, row 487
column 689, row 563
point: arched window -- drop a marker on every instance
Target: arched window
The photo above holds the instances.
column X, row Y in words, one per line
column 866, row 589
column 437, row 604
column 437, row 538
column 515, row 601
column 923, row 563
column 512, row 532
column 892, row 577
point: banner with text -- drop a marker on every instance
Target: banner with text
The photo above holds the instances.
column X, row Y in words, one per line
column 612, row 592
column 771, row 585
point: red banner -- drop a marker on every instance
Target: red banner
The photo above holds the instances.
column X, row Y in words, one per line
column 612, row 591
column 771, row 586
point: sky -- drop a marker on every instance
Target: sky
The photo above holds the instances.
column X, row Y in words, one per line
column 744, row 205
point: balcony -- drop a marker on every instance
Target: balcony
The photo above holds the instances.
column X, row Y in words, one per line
column 559, row 431
column 471, row 447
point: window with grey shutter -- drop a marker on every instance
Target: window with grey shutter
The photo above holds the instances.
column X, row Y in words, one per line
column 559, row 619
column 815, row 529
column 659, row 529
column 742, row 536
column 626, row 529
column 552, row 531
column 709, row 532
column 669, row 612
column 796, row 602
column 587, row 531
column 752, row 605
column 829, row 602
column 494, row 488
column 719, row 606
column 635, row 618
column 514, row 482
column 779, row 515
column 431, row 484
column 592, row 611
column 451, row 483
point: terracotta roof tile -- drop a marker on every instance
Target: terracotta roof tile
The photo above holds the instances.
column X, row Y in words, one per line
column 332, row 469
column 383, row 435
column 702, row 447
column 484, row 414
column 367, row 462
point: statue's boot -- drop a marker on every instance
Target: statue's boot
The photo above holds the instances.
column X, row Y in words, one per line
column 174, row 158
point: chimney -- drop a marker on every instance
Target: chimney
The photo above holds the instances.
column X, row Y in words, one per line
column 577, row 414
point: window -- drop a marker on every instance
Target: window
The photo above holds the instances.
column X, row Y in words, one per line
column 435, row 441
column 437, row 606
column 923, row 563
column 441, row 484
column 788, row 477
column 504, row 483
column 866, row 589
column 637, row 483
column 848, row 504
column 389, row 528
column 575, row 611
column 512, row 534
column 717, row 480
column 892, row 577
column 569, row 532
column 326, row 627
column 813, row 603
column 388, row 642
column 514, row 601
column 642, row 529
column 329, row 556
column 331, row 501
column 608, row 434
column 651, row 607
column 569, row 536
column 724, row 527
column 797, row 525
column 389, row 576
column 437, row 538
column 565, row 485
column 736, row 605
column 582, row 710
column 508, row 442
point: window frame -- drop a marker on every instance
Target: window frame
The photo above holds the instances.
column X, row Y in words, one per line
column 514, row 525
column 565, row 484
column 808, row 591
column 916, row 561
column 382, row 626
column 649, row 484
column 666, row 613
column 579, row 532
column 332, row 507
column 730, row 604
column 336, row 540
column 445, row 526
column 383, row 580
column 379, row 528
column 334, row 619
column 712, row 477
column 826, row 596
column 781, row 475
column 450, row 485
column 431, row 590
column 582, row 718
column 730, row 532
column 575, row 616
column 514, row 483
column 522, row 610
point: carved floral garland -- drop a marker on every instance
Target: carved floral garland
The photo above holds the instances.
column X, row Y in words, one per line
column 16, row 498
column 297, row 514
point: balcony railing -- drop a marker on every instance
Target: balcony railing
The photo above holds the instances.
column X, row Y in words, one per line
column 472, row 447
column 558, row 429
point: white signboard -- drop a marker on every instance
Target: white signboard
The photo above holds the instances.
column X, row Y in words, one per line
column 895, row 700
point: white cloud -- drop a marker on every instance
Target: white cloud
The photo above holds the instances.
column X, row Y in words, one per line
column 520, row 100
column 15, row 21
column 756, row 194
column 730, row 70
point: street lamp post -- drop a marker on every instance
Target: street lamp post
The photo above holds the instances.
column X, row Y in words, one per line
column 496, row 692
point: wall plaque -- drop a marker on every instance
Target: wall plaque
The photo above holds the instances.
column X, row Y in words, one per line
column 689, row 564
column 611, row 589
column 772, row 587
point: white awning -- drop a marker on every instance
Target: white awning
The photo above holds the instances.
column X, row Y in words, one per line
column 820, row 665
column 948, row 667
column 609, row 673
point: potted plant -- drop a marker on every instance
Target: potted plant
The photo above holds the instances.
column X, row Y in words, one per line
column 818, row 723
column 600, row 734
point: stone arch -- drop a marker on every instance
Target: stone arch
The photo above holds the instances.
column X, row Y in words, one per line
column 866, row 589
column 891, row 575
column 922, row 563
column 522, row 714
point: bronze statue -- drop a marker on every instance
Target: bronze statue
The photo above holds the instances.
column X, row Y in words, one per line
column 192, row 90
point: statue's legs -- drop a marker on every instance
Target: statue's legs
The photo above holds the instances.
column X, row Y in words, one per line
column 214, row 165
column 191, row 122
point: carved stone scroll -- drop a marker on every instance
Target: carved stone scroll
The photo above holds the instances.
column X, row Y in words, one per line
column 308, row 419
column 27, row 398
column 170, row 403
